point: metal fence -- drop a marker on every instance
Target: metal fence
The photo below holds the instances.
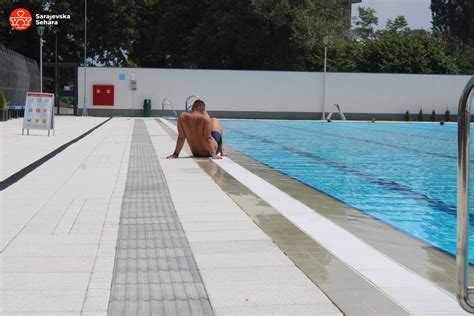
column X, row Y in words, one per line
column 18, row 75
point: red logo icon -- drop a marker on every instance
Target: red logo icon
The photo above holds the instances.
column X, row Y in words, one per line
column 20, row 19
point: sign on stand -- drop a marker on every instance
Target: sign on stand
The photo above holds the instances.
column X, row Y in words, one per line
column 39, row 112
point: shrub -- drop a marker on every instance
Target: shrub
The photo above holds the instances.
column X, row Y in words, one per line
column 447, row 116
column 407, row 116
column 420, row 115
column 3, row 101
column 433, row 116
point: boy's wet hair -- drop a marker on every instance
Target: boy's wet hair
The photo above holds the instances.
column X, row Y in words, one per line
column 198, row 103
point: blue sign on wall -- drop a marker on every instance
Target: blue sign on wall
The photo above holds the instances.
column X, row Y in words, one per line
column 121, row 76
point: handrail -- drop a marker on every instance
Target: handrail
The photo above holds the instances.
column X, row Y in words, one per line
column 338, row 108
column 462, row 234
column 187, row 107
column 167, row 102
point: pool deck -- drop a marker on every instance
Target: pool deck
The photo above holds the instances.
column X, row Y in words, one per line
column 109, row 226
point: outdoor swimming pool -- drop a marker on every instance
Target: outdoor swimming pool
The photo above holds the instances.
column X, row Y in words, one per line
column 401, row 173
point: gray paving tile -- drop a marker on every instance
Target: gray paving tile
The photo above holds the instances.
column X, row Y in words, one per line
column 155, row 272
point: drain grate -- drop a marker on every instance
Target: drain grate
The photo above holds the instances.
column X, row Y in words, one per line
column 155, row 272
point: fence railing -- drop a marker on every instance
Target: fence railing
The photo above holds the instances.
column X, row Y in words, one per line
column 18, row 74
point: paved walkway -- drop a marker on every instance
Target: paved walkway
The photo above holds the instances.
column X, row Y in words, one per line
column 109, row 226
column 244, row 272
column 60, row 226
column 18, row 150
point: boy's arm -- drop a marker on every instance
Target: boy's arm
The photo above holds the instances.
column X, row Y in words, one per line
column 179, row 141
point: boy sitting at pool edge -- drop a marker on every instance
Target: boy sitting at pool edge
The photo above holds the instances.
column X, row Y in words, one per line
column 204, row 134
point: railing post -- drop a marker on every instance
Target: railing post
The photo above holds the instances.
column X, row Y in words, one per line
column 188, row 107
column 462, row 234
column 167, row 102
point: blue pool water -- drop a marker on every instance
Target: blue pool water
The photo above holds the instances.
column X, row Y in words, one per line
column 401, row 173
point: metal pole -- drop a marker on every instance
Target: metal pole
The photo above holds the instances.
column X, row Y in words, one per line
column 56, row 97
column 462, row 233
column 41, row 64
column 84, row 110
column 324, row 82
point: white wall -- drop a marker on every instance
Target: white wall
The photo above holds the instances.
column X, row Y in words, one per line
column 276, row 91
column 394, row 93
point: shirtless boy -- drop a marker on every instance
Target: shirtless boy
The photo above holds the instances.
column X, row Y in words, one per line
column 203, row 133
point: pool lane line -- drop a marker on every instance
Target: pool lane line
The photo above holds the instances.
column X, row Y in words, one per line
column 395, row 280
column 392, row 133
column 26, row 170
column 439, row 248
column 390, row 185
column 372, row 142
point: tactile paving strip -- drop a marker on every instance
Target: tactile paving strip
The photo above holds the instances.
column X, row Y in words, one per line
column 155, row 272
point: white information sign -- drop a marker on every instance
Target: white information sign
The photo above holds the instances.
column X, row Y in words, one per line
column 39, row 112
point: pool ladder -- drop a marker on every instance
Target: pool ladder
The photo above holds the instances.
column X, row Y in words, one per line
column 187, row 104
column 462, row 234
column 167, row 103
column 336, row 107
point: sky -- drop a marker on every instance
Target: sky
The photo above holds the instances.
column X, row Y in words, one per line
column 417, row 12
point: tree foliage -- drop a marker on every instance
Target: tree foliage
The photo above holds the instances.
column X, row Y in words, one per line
column 405, row 52
column 453, row 25
column 365, row 23
column 245, row 34
column 111, row 29
column 398, row 24
column 454, row 18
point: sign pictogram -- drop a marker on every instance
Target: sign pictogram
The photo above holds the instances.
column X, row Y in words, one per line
column 20, row 19
column 43, row 115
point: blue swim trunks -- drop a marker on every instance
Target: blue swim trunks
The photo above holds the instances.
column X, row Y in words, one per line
column 218, row 137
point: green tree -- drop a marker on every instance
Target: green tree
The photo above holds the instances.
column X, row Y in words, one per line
column 453, row 25
column 399, row 24
column 111, row 29
column 405, row 52
column 464, row 56
column 243, row 35
column 455, row 19
column 25, row 42
column 365, row 23
column 407, row 116
column 447, row 115
column 312, row 22
column 3, row 101
column 420, row 115
column 164, row 32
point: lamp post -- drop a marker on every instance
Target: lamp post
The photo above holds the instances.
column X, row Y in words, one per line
column 56, row 93
column 40, row 31
column 84, row 110
column 325, row 42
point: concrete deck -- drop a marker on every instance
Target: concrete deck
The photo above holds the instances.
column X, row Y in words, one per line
column 109, row 226
column 60, row 225
column 19, row 151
